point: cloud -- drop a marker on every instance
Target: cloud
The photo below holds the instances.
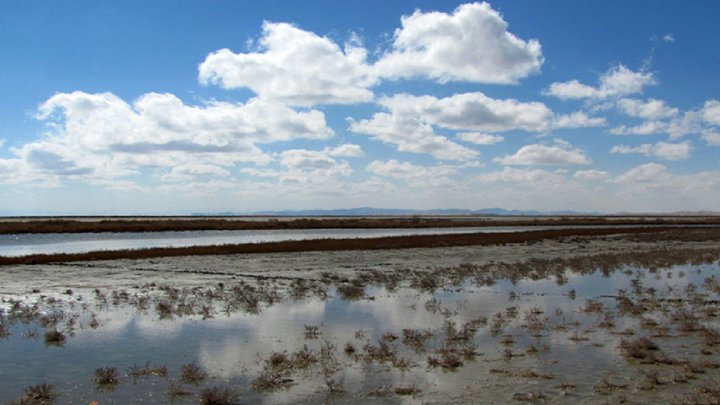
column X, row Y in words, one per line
column 294, row 66
column 561, row 153
column 472, row 44
column 411, row 120
column 646, row 128
column 409, row 134
column 662, row 150
column 646, row 173
column 690, row 122
column 711, row 138
column 591, row 175
column 410, row 172
column 309, row 162
column 301, row 68
column 651, row 110
column 514, row 175
column 579, row 119
column 472, row 111
column 480, row 138
column 346, row 150
column 616, row 82
column 54, row 163
column 99, row 137
column 253, row 171
column 711, row 112
column 311, row 169
column 192, row 170
column 199, row 189
column 669, row 38
column 2, row 143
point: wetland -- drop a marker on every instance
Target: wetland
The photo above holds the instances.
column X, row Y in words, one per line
column 593, row 318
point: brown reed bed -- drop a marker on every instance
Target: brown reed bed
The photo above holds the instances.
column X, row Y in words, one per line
column 160, row 224
column 392, row 242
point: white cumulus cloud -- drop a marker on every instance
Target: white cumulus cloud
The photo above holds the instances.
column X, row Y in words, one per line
column 646, row 173
column 560, row 153
column 662, row 150
column 471, row 44
column 651, row 109
column 295, row 66
column 479, row 138
column 591, row 175
column 409, row 172
column 711, row 112
column 711, row 138
column 409, row 134
column 579, row 119
column 515, row 175
column 472, row 111
column 100, row 136
column 616, row 82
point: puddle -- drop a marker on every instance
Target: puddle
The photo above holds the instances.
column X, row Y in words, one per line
column 458, row 334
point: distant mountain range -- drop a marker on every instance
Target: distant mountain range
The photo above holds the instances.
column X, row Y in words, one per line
column 369, row 211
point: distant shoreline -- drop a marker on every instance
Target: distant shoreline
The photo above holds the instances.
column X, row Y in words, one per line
column 25, row 225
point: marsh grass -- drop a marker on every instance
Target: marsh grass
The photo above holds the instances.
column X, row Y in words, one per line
column 351, row 292
column 406, row 390
column 4, row 331
column 147, row 371
column 192, row 374
column 271, row 380
column 106, row 377
column 644, row 350
column 216, row 396
column 416, row 339
column 446, row 360
column 312, row 332
column 177, row 391
column 304, row 358
column 54, row 337
column 382, row 352
column 606, row 387
column 40, row 394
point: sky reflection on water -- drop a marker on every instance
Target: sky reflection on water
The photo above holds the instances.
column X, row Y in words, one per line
column 231, row 347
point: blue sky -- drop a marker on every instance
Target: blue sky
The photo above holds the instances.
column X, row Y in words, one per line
column 171, row 107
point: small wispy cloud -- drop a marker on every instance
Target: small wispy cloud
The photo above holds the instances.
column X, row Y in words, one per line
column 669, row 38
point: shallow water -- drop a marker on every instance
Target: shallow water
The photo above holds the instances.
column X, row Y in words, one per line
column 53, row 243
column 233, row 345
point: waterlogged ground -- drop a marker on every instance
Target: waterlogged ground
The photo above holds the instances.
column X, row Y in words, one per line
column 592, row 321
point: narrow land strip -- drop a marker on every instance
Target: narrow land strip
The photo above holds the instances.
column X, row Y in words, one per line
column 18, row 226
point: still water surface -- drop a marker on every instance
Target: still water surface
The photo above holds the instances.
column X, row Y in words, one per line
column 26, row 244
column 231, row 348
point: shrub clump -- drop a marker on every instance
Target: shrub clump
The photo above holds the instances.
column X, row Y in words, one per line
column 106, row 377
column 216, row 396
column 192, row 374
column 40, row 394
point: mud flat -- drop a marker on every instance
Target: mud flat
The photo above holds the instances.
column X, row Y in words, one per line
column 593, row 318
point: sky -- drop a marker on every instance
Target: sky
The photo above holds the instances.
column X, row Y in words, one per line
column 176, row 107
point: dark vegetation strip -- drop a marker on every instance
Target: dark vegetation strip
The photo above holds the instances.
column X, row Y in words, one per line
column 394, row 242
column 215, row 224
